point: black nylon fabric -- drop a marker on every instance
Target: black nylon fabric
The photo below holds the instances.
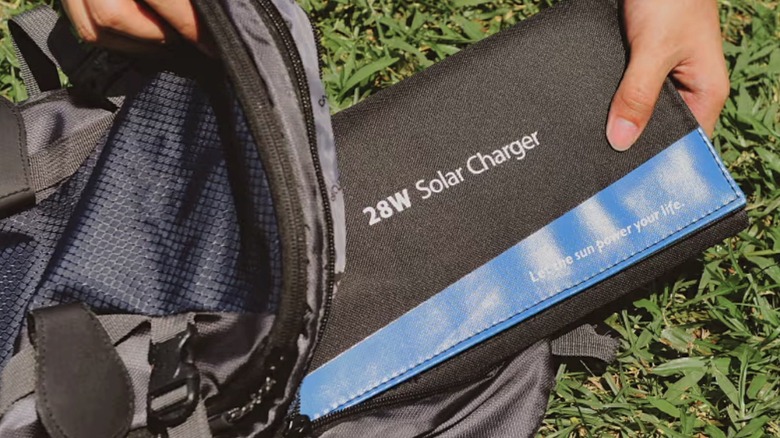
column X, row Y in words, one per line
column 148, row 224
column 509, row 402
column 16, row 191
column 554, row 74
column 76, row 358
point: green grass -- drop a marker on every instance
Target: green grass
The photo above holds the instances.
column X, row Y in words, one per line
column 11, row 85
column 701, row 355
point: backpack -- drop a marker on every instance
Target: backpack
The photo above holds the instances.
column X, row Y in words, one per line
column 181, row 256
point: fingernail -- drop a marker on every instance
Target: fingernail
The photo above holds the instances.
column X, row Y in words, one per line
column 622, row 134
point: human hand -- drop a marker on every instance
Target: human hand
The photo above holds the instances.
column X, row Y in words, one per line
column 135, row 26
column 676, row 38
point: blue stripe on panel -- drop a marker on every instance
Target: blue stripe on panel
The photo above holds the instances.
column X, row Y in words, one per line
column 679, row 191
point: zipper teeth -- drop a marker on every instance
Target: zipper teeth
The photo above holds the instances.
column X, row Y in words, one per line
column 239, row 62
column 305, row 100
column 390, row 400
column 318, row 36
column 382, row 403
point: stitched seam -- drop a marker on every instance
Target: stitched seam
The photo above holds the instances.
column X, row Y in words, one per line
column 17, row 396
column 719, row 163
column 8, row 195
column 428, row 359
column 19, row 145
column 45, row 97
column 40, row 325
column 117, row 361
column 61, row 146
column 41, row 329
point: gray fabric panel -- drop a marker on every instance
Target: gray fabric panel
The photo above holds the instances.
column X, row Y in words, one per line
column 17, row 380
column 54, row 115
column 53, row 164
column 61, row 135
column 119, row 326
column 165, row 329
column 513, row 405
column 303, row 33
column 22, row 421
column 134, row 352
column 585, row 342
column 196, row 426
column 510, row 402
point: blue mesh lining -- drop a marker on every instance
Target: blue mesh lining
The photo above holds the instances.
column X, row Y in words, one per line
column 148, row 225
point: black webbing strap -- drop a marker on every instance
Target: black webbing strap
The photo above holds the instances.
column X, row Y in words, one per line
column 44, row 43
column 16, row 193
column 586, row 342
column 31, row 32
column 83, row 387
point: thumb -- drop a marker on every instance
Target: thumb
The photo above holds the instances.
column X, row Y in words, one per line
column 635, row 99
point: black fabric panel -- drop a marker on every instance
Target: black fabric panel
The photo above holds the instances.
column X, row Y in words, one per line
column 554, row 74
column 509, row 401
column 83, row 387
column 15, row 192
column 43, row 69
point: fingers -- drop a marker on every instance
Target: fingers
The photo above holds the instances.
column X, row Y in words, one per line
column 125, row 44
column 680, row 39
column 127, row 18
column 79, row 17
column 180, row 15
column 131, row 25
column 635, row 99
column 704, row 85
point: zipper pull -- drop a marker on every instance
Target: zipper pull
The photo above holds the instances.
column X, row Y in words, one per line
column 299, row 427
column 256, row 399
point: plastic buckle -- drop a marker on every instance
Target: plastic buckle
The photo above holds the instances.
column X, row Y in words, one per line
column 174, row 386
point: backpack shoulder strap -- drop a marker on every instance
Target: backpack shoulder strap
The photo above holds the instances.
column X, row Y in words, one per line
column 31, row 33
column 16, row 193
column 78, row 373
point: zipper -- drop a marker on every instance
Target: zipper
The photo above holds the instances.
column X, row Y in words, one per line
column 263, row 128
column 331, row 244
column 391, row 400
column 300, row 425
column 291, row 55
column 290, row 324
column 256, row 399
column 318, row 42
